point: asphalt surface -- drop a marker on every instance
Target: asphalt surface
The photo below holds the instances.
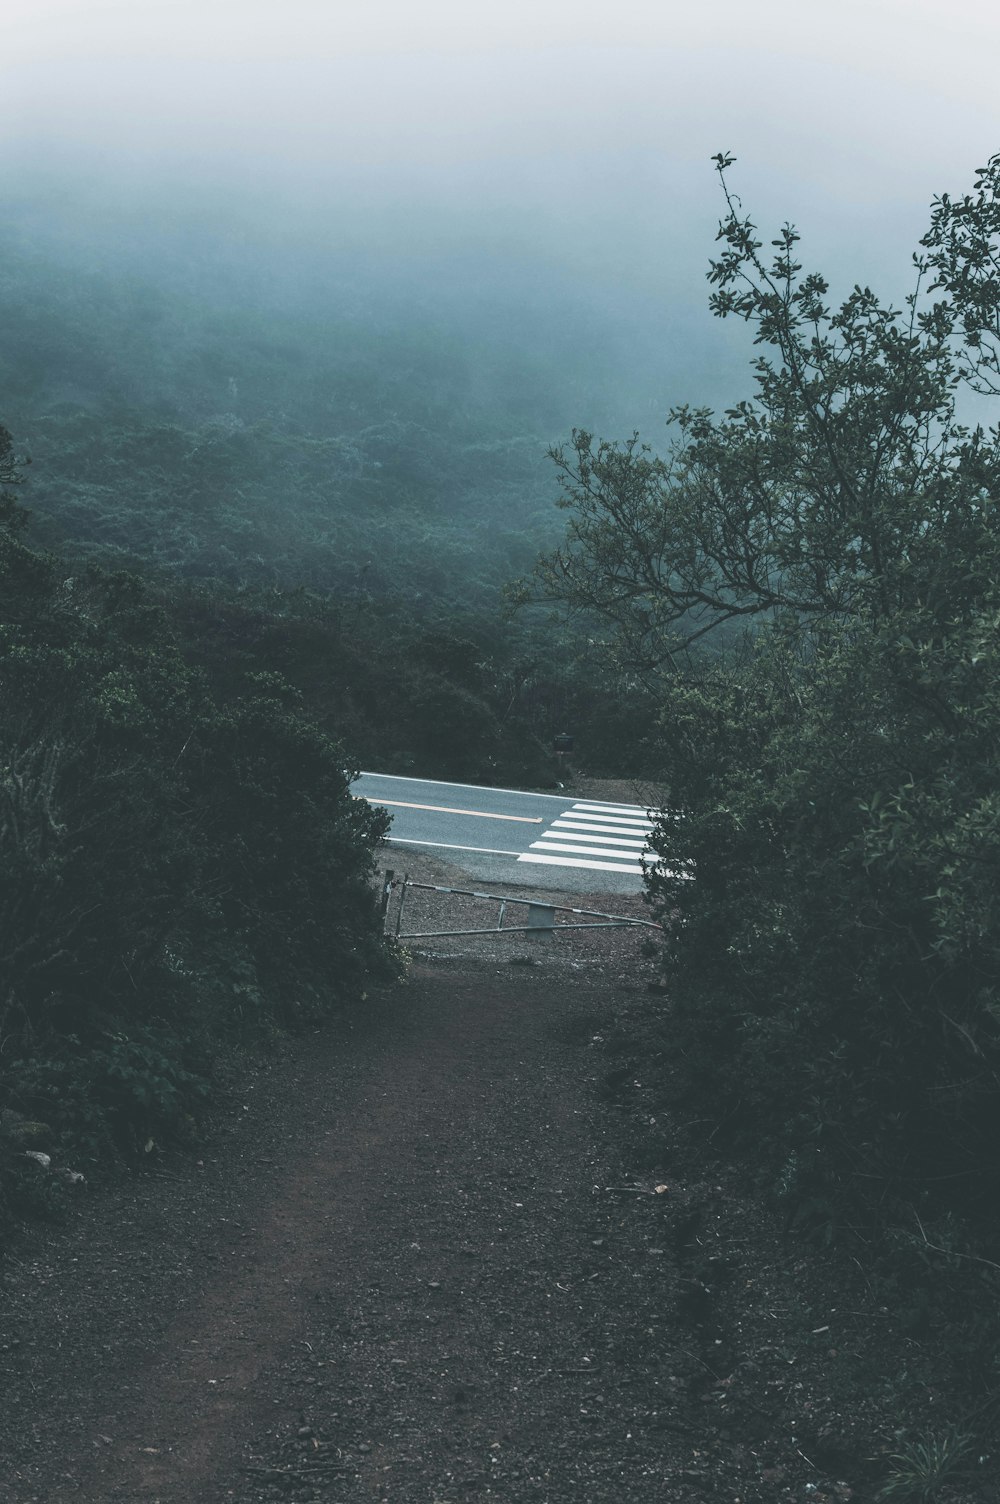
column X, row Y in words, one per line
column 552, row 841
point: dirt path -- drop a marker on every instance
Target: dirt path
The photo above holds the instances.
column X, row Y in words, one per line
column 391, row 1279
column 427, row 1262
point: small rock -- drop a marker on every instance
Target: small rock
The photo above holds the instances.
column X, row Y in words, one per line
column 71, row 1177
column 36, row 1154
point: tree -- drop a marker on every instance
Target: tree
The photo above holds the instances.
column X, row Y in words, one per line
column 963, row 245
column 181, row 860
column 820, row 497
column 833, row 966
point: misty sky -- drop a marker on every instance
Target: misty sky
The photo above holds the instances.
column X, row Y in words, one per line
column 576, row 133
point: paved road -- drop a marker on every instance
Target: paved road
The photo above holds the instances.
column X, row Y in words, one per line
column 550, row 840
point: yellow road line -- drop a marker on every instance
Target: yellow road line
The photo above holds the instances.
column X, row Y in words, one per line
column 442, row 809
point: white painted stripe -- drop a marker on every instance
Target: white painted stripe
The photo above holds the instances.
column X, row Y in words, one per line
column 615, row 816
column 624, row 856
column 620, row 832
column 593, row 833
column 443, row 846
column 444, row 809
column 624, row 827
column 617, row 811
column 623, row 834
column 477, row 788
column 631, row 811
column 558, row 861
column 555, row 833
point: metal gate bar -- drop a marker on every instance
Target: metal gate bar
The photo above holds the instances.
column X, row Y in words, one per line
column 541, row 916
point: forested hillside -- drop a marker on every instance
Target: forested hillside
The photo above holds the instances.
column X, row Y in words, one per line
column 368, row 439
column 265, row 413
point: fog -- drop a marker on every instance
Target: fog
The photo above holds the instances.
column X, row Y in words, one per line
column 529, row 185
column 581, row 133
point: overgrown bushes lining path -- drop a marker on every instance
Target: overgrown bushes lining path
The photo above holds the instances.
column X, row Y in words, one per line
column 181, row 863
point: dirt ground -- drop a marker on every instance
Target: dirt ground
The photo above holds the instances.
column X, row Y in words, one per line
column 457, row 1249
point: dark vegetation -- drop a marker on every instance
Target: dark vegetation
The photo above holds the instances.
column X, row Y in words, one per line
column 183, row 866
column 833, row 969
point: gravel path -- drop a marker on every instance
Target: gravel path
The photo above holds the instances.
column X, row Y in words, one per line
column 455, row 1250
column 395, row 1279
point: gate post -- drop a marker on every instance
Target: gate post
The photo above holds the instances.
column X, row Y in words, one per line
column 542, row 918
column 386, row 890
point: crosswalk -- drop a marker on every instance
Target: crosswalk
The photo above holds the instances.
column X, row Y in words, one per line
column 604, row 837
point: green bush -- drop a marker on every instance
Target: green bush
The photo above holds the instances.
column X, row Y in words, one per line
column 833, row 967
column 181, row 861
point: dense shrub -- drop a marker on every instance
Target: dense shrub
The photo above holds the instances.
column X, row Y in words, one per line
column 834, row 965
column 180, row 856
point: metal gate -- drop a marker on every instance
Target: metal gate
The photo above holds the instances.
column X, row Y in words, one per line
column 540, row 919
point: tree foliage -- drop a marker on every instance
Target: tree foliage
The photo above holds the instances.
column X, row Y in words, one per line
column 834, row 964
column 846, row 479
column 963, row 254
column 181, row 862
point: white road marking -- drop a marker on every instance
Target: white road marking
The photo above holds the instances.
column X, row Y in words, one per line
column 603, row 832
column 477, row 788
column 611, row 813
column 617, row 811
column 558, row 833
column 616, row 834
column 612, row 821
column 558, row 861
column 583, row 850
column 442, row 809
column 629, row 811
column 444, row 846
